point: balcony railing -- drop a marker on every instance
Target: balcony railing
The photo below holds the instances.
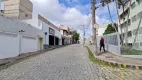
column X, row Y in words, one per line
column 126, row 23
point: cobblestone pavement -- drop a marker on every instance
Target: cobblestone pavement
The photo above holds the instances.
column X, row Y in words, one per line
column 68, row 63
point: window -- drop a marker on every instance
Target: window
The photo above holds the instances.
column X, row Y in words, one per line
column 130, row 44
column 134, row 18
column 64, row 32
column 133, row 5
column 129, row 22
column 140, row 43
column 26, row 15
column 139, row 1
column 136, row 45
column 129, row 34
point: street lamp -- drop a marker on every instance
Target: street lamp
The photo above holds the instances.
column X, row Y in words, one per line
column 45, row 45
column 84, row 33
column 21, row 31
column 45, row 33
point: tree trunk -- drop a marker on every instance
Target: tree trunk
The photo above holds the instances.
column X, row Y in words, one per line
column 121, row 37
column 137, row 31
column 126, row 33
column 111, row 18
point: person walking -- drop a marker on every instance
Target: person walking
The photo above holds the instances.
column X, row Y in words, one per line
column 102, row 44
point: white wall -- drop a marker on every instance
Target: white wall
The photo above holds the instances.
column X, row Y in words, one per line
column 34, row 21
column 29, row 44
column 114, row 48
column 57, row 33
column 13, row 42
column 14, row 26
column 8, row 45
column 134, row 25
column 45, row 28
column 61, row 31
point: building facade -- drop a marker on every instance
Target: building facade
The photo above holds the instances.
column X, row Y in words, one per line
column 130, row 26
column 18, row 38
column 23, row 34
column 18, row 9
column 52, row 35
column 66, row 35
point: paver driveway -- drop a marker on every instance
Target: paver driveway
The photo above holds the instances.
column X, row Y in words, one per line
column 68, row 63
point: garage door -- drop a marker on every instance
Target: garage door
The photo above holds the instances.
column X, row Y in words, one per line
column 28, row 44
column 8, row 45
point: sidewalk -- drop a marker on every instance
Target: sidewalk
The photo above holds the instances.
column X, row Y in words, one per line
column 116, row 59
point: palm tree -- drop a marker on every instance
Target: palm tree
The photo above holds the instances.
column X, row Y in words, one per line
column 107, row 2
column 117, row 7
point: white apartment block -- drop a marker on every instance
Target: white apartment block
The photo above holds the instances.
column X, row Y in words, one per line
column 134, row 12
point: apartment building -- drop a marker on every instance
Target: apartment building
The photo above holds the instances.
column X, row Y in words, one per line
column 129, row 21
column 18, row 9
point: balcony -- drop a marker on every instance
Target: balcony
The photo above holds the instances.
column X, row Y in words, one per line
column 126, row 10
column 126, row 23
column 124, row 14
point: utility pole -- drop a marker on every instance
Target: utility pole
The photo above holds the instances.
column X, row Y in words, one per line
column 93, row 22
column 94, row 39
column 84, row 33
column 0, row 6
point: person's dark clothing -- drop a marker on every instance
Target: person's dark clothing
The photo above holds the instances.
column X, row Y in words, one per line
column 102, row 44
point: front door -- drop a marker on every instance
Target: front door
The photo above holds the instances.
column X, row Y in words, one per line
column 40, row 43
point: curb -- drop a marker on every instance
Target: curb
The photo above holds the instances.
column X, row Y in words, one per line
column 121, row 65
column 135, row 67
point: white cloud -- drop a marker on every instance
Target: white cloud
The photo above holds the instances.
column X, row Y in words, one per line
column 59, row 14
column 73, row 17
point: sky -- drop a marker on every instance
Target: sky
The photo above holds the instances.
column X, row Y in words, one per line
column 73, row 13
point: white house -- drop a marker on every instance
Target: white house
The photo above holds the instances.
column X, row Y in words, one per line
column 52, row 35
column 17, row 37
column 23, row 32
column 135, row 14
column 66, row 35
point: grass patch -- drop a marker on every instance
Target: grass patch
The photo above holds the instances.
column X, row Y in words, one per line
column 127, row 51
column 100, row 62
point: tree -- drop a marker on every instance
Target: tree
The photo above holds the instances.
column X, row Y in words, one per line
column 110, row 29
column 119, row 4
column 75, row 36
column 107, row 2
